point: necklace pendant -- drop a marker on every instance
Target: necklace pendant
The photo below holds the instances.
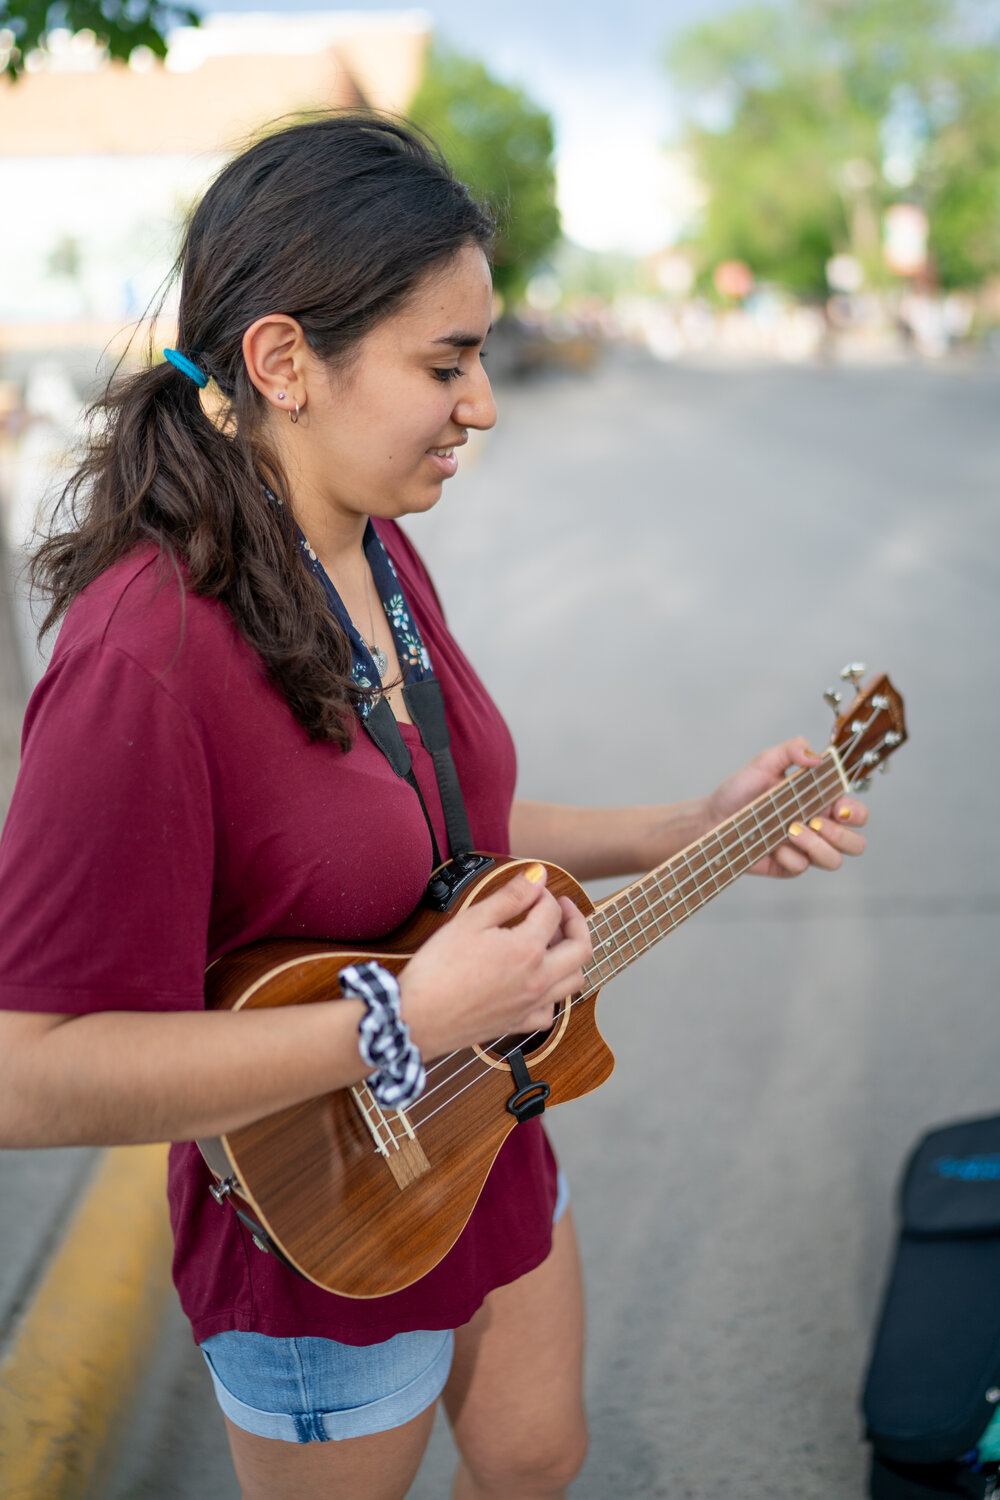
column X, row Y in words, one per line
column 381, row 661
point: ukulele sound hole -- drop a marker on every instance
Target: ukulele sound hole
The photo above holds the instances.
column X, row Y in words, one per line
column 533, row 1041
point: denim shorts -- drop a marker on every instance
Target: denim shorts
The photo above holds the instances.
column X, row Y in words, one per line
column 311, row 1390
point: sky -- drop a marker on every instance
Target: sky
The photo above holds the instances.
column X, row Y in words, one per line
column 597, row 66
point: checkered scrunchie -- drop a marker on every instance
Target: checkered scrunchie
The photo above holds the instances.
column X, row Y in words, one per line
column 385, row 1044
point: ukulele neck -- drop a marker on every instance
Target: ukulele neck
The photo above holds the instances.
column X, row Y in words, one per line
column 625, row 926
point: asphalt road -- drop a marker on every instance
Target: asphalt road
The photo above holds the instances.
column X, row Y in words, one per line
column 657, row 570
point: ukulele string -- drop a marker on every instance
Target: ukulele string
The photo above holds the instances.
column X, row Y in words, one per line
column 780, row 807
column 753, row 851
column 764, row 838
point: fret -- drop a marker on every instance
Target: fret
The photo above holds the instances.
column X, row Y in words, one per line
column 664, row 909
column 750, row 858
column 626, row 928
column 794, row 789
column 598, row 971
column 637, row 917
column 603, row 941
column 668, row 896
column 602, row 936
column 715, row 859
column 762, row 833
column 687, row 888
column 701, row 892
column 650, row 916
column 842, row 782
column 724, row 854
column 708, row 882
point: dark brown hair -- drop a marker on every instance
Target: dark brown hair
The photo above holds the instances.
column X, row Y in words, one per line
column 333, row 221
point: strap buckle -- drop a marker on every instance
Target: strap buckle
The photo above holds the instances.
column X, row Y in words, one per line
column 529, row 1100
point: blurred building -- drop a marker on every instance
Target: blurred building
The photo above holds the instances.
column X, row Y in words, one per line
column 100, row 162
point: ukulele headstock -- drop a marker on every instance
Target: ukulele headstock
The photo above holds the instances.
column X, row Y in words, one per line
column 872, row 726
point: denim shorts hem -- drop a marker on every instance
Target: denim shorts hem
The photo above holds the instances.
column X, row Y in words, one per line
column 392, row 1410
column 248, row 1358
column 562, row 1196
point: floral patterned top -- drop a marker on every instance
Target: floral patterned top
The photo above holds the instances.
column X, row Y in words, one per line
column 410, row 649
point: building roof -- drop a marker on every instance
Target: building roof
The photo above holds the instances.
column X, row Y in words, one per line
column 220, row 83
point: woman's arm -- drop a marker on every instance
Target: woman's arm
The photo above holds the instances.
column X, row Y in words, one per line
column 594, row 843
column 598, row 842
column 123, row 1077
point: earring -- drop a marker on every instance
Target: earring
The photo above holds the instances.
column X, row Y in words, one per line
column 281, row 395
column 294, row 415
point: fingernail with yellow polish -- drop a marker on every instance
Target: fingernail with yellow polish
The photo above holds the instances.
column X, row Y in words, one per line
column 795, row 830
column 844, row 814
column 816, row 823
column 535, row 873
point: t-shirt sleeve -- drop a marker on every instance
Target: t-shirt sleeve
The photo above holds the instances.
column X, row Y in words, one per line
column 106, row 858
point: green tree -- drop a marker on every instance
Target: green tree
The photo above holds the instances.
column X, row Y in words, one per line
column 118, row 25
column 808, row 119
column 500, row 144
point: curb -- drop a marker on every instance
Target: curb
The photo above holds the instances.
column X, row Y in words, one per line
column 77, row 1358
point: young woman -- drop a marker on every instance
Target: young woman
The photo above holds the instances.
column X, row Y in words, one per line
column 196, row 777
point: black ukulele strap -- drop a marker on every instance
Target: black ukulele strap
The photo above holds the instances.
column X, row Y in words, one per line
column 425, row 703
column 422, row 692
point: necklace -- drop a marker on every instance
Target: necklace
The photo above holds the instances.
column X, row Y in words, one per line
column 380, row 659
column 378, row 656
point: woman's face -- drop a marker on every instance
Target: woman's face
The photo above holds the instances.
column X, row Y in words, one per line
column 381, row 437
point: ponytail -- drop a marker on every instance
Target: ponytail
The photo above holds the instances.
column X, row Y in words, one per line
column 332, row 221
column 161, row 472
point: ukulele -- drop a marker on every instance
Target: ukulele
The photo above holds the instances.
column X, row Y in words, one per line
column 363, row 1201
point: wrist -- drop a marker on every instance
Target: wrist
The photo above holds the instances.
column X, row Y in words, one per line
column 703, row 816
column 672, row 827
column 384, row 1042
column 418, row 1009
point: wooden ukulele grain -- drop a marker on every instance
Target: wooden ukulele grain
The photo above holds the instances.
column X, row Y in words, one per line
column 311, row 1174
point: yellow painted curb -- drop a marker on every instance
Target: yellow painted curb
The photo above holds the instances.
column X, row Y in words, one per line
column 80, row 1351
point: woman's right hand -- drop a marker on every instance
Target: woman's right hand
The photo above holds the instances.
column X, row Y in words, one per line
column 477, row 979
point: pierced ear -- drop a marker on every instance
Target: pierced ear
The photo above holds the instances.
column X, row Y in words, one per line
column 276, row 354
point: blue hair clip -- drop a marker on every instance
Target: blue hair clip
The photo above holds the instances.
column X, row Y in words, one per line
column 187, row 367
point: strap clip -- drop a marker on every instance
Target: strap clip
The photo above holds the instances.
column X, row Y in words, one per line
column 529, row 1100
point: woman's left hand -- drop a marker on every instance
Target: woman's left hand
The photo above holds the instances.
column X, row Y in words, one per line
column 822, row 842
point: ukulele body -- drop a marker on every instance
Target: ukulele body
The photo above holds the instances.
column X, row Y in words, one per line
column 365, row 1202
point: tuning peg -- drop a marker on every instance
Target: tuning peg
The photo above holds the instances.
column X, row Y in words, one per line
column 834, row 699
column 862, row 785
column 853, row 672
column 892, row 739
column 884, row 767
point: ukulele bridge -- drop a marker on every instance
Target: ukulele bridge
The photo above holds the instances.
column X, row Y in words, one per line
column 395, row 1138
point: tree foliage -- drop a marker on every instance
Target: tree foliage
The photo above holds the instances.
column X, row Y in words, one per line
column 118, row 25
column 808, row 119
column 500, row 143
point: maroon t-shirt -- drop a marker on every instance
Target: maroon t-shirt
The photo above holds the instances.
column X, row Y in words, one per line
column 170, row 809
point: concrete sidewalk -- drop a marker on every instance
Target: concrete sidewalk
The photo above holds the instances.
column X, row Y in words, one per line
column 704, row 551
